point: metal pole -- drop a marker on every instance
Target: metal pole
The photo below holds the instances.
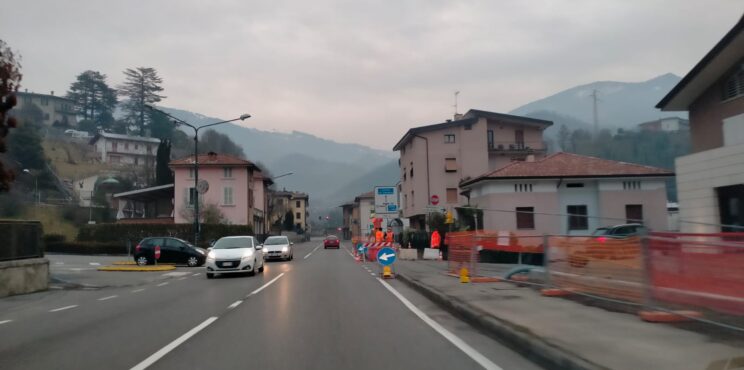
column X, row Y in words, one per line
column 196, row 182
column 648, row 298
column 38, row 197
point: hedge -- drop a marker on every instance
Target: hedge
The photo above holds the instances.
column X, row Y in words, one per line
column 133, row 233
column 53, row 238
column 77, row 247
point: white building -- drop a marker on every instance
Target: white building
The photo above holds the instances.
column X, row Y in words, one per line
column 125, row 149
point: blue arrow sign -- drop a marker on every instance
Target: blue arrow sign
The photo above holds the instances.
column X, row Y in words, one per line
column 386, row 256
column 361, row 248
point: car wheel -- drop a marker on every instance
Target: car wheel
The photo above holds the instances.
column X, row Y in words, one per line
column 210, row 275
column 143, row 261
column 192, row 261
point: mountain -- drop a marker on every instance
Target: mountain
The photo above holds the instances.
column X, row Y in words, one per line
column 620, row 104
column 385, row 175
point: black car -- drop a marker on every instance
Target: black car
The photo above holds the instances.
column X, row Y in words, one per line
column 172, row 250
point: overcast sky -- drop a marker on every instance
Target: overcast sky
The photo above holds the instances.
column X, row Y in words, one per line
column 358, row 71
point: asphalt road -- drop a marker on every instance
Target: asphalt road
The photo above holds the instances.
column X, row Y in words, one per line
column 320, row 311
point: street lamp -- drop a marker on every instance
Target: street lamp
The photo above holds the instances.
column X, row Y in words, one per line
column 36, row 185
column 178, row 121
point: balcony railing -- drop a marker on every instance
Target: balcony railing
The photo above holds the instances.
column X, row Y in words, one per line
column 516, row 147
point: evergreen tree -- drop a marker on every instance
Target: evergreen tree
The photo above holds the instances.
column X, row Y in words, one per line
column 163, row 174
column 141, row 86
column 92, row 98
column 161, row 126
column 289, row 221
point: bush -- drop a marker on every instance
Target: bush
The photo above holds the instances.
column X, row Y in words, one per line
column 77, row 247
column 53, row 238
column 123, row 233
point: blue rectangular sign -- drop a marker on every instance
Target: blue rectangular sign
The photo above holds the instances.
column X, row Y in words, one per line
column 385, row 191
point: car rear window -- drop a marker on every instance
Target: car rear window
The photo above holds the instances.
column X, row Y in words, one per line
column 332, row 237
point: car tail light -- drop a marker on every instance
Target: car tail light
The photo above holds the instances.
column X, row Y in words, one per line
column 137, row 248
column 602, row 239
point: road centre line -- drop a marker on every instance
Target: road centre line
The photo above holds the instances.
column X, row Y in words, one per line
column 161, row 284
column 63, row 308
column 235, row 304
column 5, row 321
column 172, row 345
column 197, row 274
column 183, row 278
column 452, row 338
column 137, row 290
column 308, row 255
column 107, row 298
column 265, row 285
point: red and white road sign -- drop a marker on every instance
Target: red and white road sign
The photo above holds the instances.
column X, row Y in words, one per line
column 157, row 252
column 435, row 199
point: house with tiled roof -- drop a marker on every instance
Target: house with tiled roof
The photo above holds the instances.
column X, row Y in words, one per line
column 570, row 194
column 297, row 203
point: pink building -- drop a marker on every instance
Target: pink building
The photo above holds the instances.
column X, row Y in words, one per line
column 528, row 196
column 434, row 159
column 236, row 188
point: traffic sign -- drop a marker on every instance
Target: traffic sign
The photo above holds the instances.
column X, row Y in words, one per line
column 361, row 248
column 386, row 200
column 386, row 256
column 435, row 199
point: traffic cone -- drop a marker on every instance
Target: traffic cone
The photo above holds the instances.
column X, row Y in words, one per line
column 464, row 278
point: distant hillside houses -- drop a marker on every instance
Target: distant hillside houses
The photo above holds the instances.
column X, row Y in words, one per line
column 120, row 149
column 56, row 110
column 668, row 124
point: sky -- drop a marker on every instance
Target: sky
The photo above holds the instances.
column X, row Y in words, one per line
column 360, row 71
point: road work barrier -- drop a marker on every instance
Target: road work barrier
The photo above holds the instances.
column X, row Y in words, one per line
column 473, row 250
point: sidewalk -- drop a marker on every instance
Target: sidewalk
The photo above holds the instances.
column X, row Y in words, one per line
column 560, row 333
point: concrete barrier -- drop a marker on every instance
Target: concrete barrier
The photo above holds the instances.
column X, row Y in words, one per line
column 23, row 276
column 409, row 254
column 431, row 254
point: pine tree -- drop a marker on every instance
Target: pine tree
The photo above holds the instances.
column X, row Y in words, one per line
column 93, row 99
column 141, row 87
column 163, row 174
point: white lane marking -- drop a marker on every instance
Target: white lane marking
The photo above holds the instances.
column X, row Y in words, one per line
column 5, row 321
column 265, row 285
column 172, row 345
column 308, row 255
column 452, row 338
column 59, row 263
column 175, row 273
column 137, row 290
column 197, row 274
column 63, row 308
column 235, row 304
column 161, row 284
column 183, row 278
column 316, row 248
column 95, row 264
column 107, row 298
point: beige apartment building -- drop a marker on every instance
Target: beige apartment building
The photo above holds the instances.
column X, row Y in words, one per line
column 710, row 181
column 120, row 149
column 296, row 202
column 434, row 159
column 55, row 109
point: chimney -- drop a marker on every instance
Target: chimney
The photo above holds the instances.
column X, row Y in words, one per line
column 530, row 158
column 449, row 120
column 212, row 156
column 52, row 93
column 458, row 116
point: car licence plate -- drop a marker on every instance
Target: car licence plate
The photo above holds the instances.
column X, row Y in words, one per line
column 226, row 264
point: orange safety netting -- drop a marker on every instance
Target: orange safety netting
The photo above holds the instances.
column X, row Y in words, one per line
column 704, row 270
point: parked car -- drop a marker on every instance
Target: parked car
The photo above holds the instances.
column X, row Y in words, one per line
column 331, row 241
column 172, row 250
column 235, row 254
column 278, row 247
column 619, row 242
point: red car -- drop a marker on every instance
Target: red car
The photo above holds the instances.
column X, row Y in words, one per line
column 331, row 241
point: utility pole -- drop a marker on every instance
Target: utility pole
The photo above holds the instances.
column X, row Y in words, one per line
column 455, row 106
column 595, row 116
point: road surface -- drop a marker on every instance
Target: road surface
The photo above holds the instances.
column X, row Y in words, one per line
column 320, row 311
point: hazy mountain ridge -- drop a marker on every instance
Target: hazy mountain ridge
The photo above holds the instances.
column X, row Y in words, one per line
column 620, row 104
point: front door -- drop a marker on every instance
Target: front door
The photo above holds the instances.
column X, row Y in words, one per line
column 731, row 207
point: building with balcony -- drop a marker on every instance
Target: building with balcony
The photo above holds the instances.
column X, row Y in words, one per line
column 291, row 201
column 56, row 110
column 434, row 159
column 120, row 149
column 710, row 180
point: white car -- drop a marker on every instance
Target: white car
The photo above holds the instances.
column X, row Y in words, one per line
column 234, row 254
column 278, row 247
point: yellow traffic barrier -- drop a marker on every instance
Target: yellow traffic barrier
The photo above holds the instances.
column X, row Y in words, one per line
column 387, row 273
column 464, row 277
column 138, row 268
column 124, row 263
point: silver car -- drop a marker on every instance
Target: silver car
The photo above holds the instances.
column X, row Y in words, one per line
column 234, row 254
column 278, row 247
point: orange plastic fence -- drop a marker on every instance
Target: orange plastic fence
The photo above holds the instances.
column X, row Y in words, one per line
column 605, row 267
column 703, row 270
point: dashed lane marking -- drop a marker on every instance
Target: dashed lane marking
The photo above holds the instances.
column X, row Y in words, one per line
column 137, row 290
column 234, row 304
column 63, row 308
column 172, row 345
column 107, row 298
column 5, row 321
column 161, row 284
column 265, row 285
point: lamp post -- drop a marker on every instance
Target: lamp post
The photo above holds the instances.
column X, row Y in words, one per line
column 36, row 185
column 196, row 129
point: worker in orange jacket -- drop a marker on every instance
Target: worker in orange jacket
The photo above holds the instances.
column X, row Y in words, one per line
column 436, row 239
column 379, row 236
column 389, row 235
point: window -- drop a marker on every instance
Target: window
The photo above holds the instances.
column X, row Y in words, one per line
column 631, row 185
column 227, row 196
column 191, row 195
column 136, row 146
column 411, row 172
column 634, row 213
column 734, row 85
column 405, row 173
column 44, row 101
column 575, row 185
column 449, row 138
column 490, row 139
column 136, row 160
column 451, row 195
column 450, row 164
column 192, row 172
column 522, row 188
column 526, row 218
column 413, row 199
column 227, row 172
column 126, row 145
column 297, row 204
column 577, row 217
column 468, row 127
column 405, row 200
column 297, row 216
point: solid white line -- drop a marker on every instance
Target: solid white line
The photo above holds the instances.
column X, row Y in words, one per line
column 107, row 298
column 63, row 308
column 95, row 264
column 161, row 284
column 452, row 338
column 137, row 290
column 5, row 321
column 235, row 304
column 265, row 285
column 172, row 345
